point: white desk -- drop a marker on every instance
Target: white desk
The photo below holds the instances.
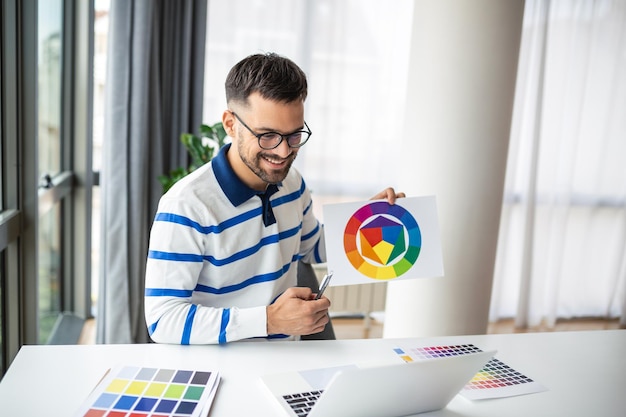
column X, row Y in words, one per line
column 585, row 372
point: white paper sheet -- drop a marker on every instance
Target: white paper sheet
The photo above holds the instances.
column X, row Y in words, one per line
column 373, row 241
column 495, row 380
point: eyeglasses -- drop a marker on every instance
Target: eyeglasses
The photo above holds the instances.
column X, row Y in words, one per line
column 271, row 140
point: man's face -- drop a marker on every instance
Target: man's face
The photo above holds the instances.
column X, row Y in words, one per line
column 255, row 166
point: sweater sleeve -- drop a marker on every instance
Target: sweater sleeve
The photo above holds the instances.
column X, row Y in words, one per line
column 175, row 259
column 176, row 321
column 313, row 245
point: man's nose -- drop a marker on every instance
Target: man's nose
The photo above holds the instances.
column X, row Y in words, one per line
column 283, row 150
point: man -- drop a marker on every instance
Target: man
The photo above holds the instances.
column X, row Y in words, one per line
column 227, row 238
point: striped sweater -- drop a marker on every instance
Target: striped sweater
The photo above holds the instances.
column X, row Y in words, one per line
column 213, row 265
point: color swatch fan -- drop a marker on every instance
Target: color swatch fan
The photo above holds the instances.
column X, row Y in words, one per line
column 376, row 241
column 141, row 392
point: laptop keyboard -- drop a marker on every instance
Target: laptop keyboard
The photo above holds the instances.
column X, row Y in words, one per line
column 302, row 403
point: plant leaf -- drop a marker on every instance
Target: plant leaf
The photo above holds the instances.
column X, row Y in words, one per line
column 200, row 153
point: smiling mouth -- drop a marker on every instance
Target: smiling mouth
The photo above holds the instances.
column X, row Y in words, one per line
column 279, row 162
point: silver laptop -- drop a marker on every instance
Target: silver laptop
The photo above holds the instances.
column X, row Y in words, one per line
column 392, row 390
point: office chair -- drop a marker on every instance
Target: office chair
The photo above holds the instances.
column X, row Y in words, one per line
column 307, row 278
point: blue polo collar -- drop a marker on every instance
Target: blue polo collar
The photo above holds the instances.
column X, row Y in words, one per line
column 235, row 189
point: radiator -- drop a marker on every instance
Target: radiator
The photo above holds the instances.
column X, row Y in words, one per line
column 351, row 300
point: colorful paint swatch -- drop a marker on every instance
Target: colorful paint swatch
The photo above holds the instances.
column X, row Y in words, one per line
column 494, row 380
column 142, row 392
column 497, row 374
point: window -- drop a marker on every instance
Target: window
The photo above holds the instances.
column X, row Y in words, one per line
column 49, row 140
column 45, row 187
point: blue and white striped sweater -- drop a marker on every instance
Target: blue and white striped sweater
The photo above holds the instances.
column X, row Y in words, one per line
column 213, row 266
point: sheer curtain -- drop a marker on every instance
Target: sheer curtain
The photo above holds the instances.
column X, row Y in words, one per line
column 355, row 54
column 562, row 244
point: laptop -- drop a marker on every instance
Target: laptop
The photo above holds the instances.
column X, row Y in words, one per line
column 389, row 390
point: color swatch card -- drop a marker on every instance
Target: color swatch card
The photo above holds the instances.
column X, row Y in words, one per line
column 131, row 391
column 375, row 241
column 495, row 380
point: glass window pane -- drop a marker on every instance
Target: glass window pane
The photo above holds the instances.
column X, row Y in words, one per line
column 49, row 98
column 49, row 271
column 101, row 33
column 50, row 86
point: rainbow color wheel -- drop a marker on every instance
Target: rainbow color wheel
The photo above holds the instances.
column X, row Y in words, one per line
column 382, row 241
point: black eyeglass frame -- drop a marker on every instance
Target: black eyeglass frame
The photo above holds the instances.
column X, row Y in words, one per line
column 260, row 136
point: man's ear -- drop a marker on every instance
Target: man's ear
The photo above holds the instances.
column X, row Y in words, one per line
column 228, row 121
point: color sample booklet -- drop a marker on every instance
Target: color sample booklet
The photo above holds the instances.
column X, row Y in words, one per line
column 144, row 391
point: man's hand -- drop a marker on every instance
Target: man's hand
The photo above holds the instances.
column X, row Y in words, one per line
column 296, row 313
column 390, row 194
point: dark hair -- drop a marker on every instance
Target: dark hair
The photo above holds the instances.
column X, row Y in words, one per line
column 275, row 77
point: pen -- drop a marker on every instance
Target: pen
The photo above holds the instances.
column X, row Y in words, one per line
column 324, row 284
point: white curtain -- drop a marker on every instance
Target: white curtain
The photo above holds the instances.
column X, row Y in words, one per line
column 355, row 54
column 562, row 244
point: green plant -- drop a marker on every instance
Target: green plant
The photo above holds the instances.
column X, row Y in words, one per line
column 202, row 148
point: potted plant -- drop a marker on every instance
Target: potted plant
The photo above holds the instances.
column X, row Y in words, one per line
column 202, row 148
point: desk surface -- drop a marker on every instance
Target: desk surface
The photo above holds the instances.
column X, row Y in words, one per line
column 585, row 372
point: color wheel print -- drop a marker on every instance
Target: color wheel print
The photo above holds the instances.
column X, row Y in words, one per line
column 382, row 241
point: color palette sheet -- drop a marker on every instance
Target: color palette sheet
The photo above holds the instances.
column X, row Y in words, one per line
column 373, row 241
column 495, row 380
column 131, row 391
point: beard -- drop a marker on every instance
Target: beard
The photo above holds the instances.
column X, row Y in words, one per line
column 273, row 176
